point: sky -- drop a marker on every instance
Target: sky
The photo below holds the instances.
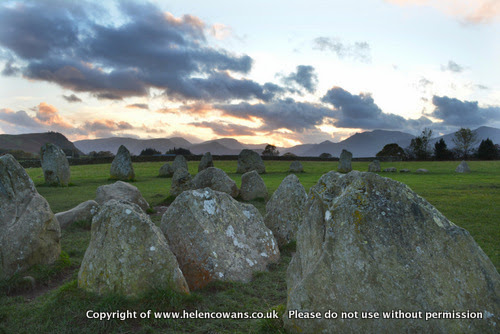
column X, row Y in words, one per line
column 283, row 72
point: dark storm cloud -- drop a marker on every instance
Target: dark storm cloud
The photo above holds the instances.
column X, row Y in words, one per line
column 72, row 98
column 360, row 111
column 10, row 69
column 225, row 130
column 358, row 51
column 60, row 42
column 304, row 77
column 463, row 113
column 287, row 113
column 452, row 67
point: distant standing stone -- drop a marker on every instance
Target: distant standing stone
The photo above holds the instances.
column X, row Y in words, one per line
column 206, row 161
column 421, row 171
column 179, row 162
column 404, row 170
column 463, row 167
column 55, row 165
column 252, row 186
column 121, row 167
column 29, row 232
column 374, row 166
column 166, row 171
column 121, row 191
column 181, row 181
column 296, row 167
column 345, row 162
column 390, row 170
column 128, row 254
column 249, row 160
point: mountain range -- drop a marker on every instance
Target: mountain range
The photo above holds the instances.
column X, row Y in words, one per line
column 364, row 144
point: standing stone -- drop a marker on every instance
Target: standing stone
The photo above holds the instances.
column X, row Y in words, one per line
column 390, row 170
column 181, row 181
column 296, row 167
column 166, row 171
column 215, row 179
column 179, row 162
column 421, row 171
column 128, row 254
column 404, row 170
column 121, row 191
column 29, row 232
column 82, row 212
column 253, row 187
column 463, row 167
column 374, row 166
column 55, row 165
column 345, row 162
column 215, row 237
column 369, row 243
column 249, row 160
column 206, row 162
column 285, row 209
column 121, row 167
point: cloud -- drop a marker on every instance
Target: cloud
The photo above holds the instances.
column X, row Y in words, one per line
column 72, row 98
column 358, row 51
column 61, row 42
column 10, row 69
column 452, row 67
column 226, row 129
column 279, row 114
column 138, row 106
column 305, row 77
column 220, row 31
column 463, row 113
column 474, row 12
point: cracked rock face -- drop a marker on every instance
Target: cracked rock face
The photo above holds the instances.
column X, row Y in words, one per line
column 214, row 237
column 128, row 254
column 368, row 243
column 29, row 232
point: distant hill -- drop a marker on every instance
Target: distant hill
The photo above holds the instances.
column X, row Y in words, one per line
column 482, row 133
column 32, row 142
column 134, row 145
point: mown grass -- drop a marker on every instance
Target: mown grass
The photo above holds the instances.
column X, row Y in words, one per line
column 471, row 201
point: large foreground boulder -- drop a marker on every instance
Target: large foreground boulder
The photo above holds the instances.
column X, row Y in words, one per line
column 285, row 209
column 371, row 244
column 55, row 165
column 214, row 237
column 463, row 167
column 121, row 191
column 249, row 160
column 29, row 232
column 215, row 179
column 181, row 181
column 179, row 162
column 82, row 212
column 253, row 187
column 128, row 254
column 121, row 167
column 206, row 162
column 345, row 162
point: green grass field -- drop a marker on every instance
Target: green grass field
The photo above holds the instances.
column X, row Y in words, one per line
column 471, row 201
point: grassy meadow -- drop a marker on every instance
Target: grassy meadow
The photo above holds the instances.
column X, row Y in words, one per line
column 56, row 305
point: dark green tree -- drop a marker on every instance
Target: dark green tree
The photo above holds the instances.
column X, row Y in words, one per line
column 392, row 150
column 325, row 155
column 465, row 139
column 179, row 151
column 149, row 151
column 441, row 151
column 487, row 150
column 420, row 146
column 271, row 151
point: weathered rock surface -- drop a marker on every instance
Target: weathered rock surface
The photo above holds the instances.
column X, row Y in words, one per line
column 29, row 232
column 55, row 165
column 404, row 170
column 121, row 167
column 345, row 162
column 248, row 161
column 296, row 167
column 463, row 167
column 421, row 171
column 205, row 162
column 374, row 166
column 390, row 170
column 179, row 162
column 215, row 237
column 128, row 254
column 181, row 181
column 166, row 171
column 121, row 191
column 285, row 209
column 215, row 179
column 253, row 187
column 82, row 212
column 369, row 243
